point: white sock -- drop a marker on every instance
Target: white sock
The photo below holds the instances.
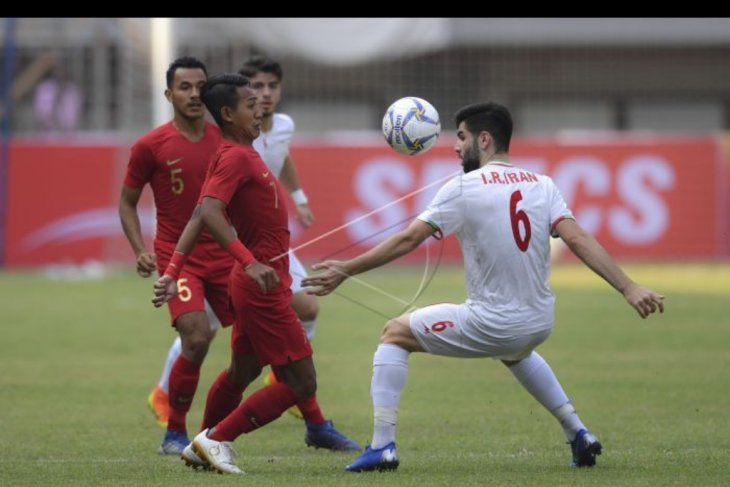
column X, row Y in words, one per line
column 538, row 378
column 172, row 355
column 390, row 367
column 309, row 327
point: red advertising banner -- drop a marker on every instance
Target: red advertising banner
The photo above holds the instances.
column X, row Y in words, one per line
column 651, row 198
column 658, row 198
column 62, row 204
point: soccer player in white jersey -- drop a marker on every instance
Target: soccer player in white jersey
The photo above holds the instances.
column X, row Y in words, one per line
column 503, row 217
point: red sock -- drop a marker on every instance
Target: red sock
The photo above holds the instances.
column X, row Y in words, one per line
column 310, row 410
column 223, row 397
column 260, row 408
column 184, row 378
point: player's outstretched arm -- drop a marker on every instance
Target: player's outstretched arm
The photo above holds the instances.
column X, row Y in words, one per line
column 335, row 272
column 146, row 261
column 582, row 244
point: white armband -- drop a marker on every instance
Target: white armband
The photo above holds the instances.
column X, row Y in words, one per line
column 299, row 197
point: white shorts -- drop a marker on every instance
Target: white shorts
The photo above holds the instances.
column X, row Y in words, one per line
column 297, row 271
column 451, row 330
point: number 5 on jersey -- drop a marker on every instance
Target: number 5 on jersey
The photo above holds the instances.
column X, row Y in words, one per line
column 177, row 181
column 184, row 293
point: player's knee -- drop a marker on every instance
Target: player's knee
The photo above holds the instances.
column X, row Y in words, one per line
column 243, row 374
column 397, row 331
column 304, row 389
column 392, row 331
column 306, row 307
column 195, row 349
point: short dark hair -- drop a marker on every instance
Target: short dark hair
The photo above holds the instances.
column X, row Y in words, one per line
column 184, row 62
column 220, row 91
column 487, row 117
column 259, row 63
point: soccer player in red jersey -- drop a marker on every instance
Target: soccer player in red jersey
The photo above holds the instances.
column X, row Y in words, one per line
column 240, row 205
column 173, row 160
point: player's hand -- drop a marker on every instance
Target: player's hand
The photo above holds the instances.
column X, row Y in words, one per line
column 165, row 288
column 305, row 215
column 335, row 272
column 644, row 300
column 146, row 263
column 264, row 276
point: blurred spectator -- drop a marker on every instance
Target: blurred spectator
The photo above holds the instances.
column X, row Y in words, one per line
column 57, row 101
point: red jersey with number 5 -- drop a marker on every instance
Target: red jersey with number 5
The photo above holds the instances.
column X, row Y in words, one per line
column 255, row 207
column 175, row 168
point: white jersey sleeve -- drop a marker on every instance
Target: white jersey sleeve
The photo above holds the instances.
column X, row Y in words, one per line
column 446, row 211
column 558, row 208
column 273, row 146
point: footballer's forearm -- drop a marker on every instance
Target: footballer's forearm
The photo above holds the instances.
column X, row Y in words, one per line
column 393, row 247
column 130, row 219
column 191, row 233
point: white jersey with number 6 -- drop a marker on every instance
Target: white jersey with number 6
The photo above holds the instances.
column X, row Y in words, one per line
column 503, row 217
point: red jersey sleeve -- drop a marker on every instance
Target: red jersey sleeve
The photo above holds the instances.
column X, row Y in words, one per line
column 141, row 166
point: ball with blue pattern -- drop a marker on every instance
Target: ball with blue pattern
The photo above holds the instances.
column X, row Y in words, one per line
column 411, row 125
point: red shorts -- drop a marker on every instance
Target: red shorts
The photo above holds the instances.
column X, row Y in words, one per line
column 205, row 276
column 266, row 325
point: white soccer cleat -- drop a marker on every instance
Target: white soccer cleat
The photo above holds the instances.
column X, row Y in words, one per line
column 219, row 454
column 191, row 459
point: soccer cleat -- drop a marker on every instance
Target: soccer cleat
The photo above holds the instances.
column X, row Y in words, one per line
column 173, row 443
column 326, row 436
column 218, row 454
column 192, row 460
column 585, row 447
column 158, row 402
column 380, row 459
column 269, row 379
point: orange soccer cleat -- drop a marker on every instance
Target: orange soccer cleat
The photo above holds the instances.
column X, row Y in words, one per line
column 158, row 402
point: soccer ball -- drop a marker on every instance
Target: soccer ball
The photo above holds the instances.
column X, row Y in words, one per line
column 411, row 125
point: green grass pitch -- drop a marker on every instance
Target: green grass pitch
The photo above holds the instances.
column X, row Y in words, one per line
column 77, row 360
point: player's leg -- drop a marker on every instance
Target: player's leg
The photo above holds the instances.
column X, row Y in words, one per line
column 390, row 368
column 536, row 376
column 158, row 400
column 267, row 328
column 305, row 306
column 213, row 444
column 319, row 432
column 227, row 390
column 187, row 311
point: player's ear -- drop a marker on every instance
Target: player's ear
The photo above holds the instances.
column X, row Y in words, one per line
column 227, row 114
column 168, row 94
column 485, row 139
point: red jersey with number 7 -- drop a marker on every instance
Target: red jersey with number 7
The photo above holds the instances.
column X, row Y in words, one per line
column 255, row 207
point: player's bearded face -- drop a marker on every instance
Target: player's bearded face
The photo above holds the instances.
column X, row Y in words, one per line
column 470, row 157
